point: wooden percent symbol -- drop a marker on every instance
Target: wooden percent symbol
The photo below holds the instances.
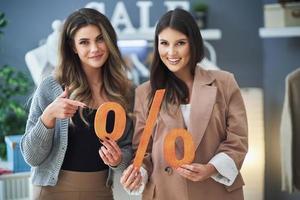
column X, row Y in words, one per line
column 169, row 142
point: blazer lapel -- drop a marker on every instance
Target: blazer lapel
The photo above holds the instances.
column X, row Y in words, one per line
column 202, row 103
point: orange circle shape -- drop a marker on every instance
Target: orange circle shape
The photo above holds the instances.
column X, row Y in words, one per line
column 169, row 148
column 101, row 117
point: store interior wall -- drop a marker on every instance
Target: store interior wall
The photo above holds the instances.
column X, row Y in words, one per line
column 239, row 50
column 256, row 62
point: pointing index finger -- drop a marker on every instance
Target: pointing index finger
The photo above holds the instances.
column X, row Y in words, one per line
column 75, row 103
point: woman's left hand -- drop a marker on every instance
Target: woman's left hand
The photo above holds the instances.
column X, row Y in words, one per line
column 110, row 153
column 196, row 171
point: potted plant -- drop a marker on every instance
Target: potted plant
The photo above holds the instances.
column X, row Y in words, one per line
column 200, row 11
column 3, row 22
column 287, row 1
column 13, row 85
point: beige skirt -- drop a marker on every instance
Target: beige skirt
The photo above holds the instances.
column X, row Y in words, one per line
column 76, row 186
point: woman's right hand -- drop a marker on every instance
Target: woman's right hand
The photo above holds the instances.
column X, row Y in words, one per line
column 131, row 178
column 60, row 108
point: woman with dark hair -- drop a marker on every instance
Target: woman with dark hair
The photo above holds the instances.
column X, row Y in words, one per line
column 67, row 158
column 207, row 103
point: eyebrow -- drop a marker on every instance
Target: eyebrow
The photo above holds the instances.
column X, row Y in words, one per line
column 100, row 35
column 84, row 39
column 182, row 39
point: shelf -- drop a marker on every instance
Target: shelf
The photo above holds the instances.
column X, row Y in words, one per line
column 211, row 34
column 279, row 32
column 207, row 34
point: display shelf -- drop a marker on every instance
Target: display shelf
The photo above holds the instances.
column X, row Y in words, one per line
column 279, row 32
column 207, row 34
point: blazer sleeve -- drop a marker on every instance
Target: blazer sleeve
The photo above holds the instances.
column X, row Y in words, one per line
column 140, row 112
column 36, row 143
column 236, row 143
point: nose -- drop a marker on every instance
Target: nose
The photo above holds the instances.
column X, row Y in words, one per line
column 172, row 51
column 94, row 47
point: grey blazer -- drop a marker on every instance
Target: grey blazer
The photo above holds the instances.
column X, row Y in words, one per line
column 290, row 133
column 44, row 149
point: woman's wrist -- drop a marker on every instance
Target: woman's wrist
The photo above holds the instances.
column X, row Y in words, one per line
column 116, row 164
column 211, row 169
column 47, row 119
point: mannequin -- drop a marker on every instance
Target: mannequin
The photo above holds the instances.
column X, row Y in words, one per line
column 42, row 60
column 207, row 64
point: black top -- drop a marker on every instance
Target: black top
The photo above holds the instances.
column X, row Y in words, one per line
column 83, row 144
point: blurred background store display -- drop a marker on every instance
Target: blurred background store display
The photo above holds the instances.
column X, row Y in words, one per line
column 258, row 41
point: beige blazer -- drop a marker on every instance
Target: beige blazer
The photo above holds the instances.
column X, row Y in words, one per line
column 290, row 134
column 217, row 123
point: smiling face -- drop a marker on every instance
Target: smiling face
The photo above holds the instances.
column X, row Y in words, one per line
column 90, row 47
column 174, row 50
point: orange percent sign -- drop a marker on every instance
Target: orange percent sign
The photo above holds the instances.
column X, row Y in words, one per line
column 101, row 117
column 169, row 143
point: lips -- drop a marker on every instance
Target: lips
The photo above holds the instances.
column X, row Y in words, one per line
column 95, row 57
column 173, row 61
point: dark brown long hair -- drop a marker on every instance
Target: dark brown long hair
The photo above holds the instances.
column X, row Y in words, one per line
column 160, row 76
column 116, row 85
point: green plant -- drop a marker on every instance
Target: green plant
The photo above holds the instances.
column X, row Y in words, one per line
column 3, row 22
column 287, row 1
column 199, row 6
column 200, row 13
column 13, row 85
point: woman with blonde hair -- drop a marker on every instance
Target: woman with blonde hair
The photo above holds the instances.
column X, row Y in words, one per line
column 68, row 160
